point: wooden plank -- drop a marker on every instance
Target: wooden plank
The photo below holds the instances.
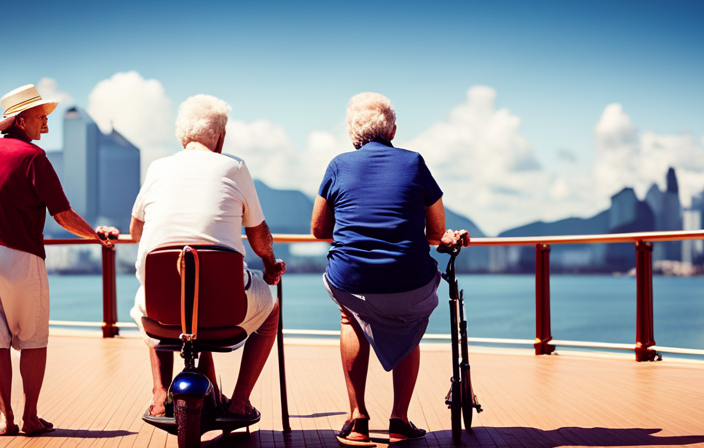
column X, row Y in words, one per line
column 96, row 391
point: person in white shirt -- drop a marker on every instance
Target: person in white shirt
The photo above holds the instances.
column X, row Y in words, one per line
column 202, row 196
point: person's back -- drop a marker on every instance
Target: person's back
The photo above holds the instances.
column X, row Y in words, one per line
column 200, row 196
column 379, row 194
column 26, row 182
column 195, row 197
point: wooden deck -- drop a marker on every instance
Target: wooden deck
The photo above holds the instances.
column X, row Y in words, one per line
column 96, row 391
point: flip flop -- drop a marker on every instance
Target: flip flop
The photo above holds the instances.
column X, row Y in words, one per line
column 400, row 431
column 45, row 423
column 39, row 432
column 248, row 418
column 359, row 426
column 11, row 432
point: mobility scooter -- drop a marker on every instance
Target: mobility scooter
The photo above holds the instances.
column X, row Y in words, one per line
column 195, row 300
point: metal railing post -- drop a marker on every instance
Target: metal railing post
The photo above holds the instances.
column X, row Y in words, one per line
column 644, row 302
column 543, row 334
column 109, row 294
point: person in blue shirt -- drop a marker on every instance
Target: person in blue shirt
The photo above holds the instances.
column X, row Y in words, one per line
column 383, row 209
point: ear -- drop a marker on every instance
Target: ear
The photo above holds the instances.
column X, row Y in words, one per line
column 393, row 133
column 20, row 122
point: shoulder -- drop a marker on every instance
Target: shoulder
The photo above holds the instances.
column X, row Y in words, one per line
column 408, row 156
column 408, row 153
column 346, row 156
column 232, row 161
column 21, row 147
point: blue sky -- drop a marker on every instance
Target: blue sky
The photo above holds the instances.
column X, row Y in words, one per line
column 550, row 71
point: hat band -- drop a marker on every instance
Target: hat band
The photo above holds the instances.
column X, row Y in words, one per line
column 21, row 106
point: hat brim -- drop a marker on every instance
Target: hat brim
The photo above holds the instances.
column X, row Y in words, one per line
column 7, row 120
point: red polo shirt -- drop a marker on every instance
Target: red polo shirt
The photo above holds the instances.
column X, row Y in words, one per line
column 28, row 187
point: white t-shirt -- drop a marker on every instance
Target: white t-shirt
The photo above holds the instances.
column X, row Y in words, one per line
column 196, row 197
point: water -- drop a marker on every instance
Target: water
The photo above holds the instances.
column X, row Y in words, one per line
column 598, row 308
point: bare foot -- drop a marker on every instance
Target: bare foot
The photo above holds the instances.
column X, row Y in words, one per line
column 35, row 426
column 239, row 408
column 157, row 408
column 243, row 413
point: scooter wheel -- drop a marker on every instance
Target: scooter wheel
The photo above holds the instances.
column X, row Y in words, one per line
column 188, row 422
column 467, row 399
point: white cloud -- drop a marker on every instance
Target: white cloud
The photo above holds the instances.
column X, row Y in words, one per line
column 265, row 147
column 628, row 157
column 489, row 172
column 272, row 158
column 485, row 166
column 49, row 90
column 138, row 109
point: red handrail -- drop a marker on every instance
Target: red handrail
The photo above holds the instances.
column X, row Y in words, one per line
column 644, row 311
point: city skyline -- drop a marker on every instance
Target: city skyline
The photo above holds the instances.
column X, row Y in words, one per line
column 522, row 111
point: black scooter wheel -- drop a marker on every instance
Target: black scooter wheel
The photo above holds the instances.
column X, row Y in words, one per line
column 188, row 421
column 467, row 399
column 456, row 413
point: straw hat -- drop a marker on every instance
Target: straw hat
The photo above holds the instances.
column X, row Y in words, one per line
column 19, row 100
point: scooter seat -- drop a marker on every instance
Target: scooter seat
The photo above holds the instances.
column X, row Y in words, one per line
column 218, row 284
column 222, row 337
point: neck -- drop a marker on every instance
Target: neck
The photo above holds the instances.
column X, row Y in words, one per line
column 18, row 134
column 197, row 146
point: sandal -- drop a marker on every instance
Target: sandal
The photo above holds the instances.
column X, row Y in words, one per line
column 360, row 428
column 10, row 431
column 400, row 431
column 246, row 419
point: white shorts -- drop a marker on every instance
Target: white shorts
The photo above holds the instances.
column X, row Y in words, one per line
column 260, row 303
column 24, row 300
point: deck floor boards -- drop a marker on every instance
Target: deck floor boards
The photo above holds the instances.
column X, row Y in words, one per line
column 96, row 391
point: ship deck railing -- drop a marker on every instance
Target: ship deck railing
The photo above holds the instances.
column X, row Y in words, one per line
column 644, row 347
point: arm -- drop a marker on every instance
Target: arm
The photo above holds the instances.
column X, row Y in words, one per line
column 435, row 222
column 136, row 227
column 74, row 223
column 262, row 244
column 322, row 222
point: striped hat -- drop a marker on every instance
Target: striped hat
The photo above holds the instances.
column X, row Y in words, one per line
column 19, row 100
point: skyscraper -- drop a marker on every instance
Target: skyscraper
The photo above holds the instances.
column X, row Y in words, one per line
column 100, row 172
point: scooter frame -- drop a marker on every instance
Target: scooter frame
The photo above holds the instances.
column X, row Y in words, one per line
column 193, row 407
column 461, row 382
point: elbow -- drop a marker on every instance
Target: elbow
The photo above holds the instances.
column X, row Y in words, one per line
column 320, row 231
column 317, row 232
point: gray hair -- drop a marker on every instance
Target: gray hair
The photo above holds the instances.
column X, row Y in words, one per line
column 369, row 116
column 201, row 118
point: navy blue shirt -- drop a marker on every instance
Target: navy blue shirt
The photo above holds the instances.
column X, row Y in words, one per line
column 378, row 196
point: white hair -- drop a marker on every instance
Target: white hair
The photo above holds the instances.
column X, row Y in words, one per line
column 201, row 118
column 369, row 116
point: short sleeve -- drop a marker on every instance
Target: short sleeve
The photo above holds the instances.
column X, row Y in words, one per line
column 252, row 214
column 430, row 187
column 138, row 209
column 46, row 185
column 328, row 181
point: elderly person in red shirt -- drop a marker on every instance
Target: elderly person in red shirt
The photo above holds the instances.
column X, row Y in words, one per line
column 28, row 187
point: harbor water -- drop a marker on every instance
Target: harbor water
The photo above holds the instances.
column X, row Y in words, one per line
column 595, row 308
